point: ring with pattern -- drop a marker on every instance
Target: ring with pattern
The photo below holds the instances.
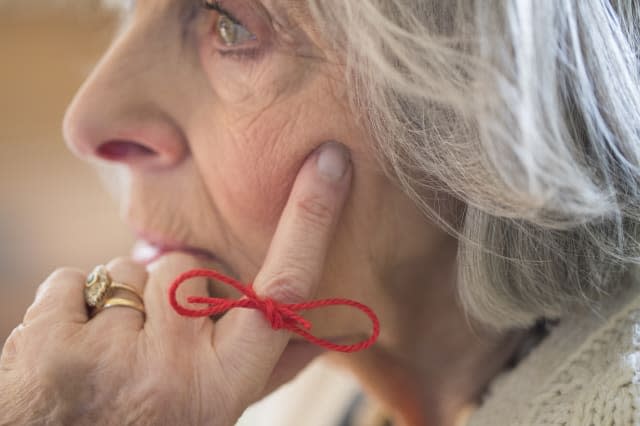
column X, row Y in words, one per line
column 99, row 289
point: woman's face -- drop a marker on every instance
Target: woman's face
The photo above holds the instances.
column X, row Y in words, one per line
column 204, row 117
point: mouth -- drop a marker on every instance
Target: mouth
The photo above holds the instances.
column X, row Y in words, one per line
column 146, row 252
column 148, row 249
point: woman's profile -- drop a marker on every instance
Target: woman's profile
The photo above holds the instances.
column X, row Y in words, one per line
column 457, row 183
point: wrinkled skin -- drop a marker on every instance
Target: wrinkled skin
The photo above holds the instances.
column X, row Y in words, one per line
column 120, row 367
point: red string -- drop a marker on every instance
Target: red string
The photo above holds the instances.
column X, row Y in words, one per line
column 280, row 315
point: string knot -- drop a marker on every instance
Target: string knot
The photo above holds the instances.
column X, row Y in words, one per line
column 272, row 313
column 279, row 315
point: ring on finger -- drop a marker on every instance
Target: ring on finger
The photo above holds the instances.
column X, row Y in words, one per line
column 114, row 302
column 99, row 287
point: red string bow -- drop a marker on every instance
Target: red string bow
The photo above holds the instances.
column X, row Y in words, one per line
column 279, row 315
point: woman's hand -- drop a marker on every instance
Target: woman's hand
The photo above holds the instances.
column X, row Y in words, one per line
column 62, row 367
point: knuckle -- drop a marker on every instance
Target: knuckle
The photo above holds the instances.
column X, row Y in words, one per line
column 13, row 343
column 32, row 312
column 59, row 281
column 66, row 273
column 287, row 287
column 40, row 304
column 42, row 289
column 121, row 259
column 58, row 276
column 172, row 263
column 315, row 210
column 123, row 263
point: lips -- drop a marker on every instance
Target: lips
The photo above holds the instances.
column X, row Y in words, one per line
column 146, row 252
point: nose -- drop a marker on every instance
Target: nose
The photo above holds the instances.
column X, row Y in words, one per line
column 118, row 117
column 138, row 142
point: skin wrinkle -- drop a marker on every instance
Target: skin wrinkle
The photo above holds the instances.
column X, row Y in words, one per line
column 269, row 177
column 253, row 130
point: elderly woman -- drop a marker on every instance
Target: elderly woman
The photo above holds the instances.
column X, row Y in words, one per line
column 468, row 170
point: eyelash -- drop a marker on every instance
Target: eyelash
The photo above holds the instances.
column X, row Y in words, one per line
column 215, row 6
column 238, row 54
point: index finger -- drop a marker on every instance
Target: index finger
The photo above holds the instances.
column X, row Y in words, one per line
column 244, row 340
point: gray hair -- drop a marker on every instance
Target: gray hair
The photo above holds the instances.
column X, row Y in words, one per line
column 526, row 111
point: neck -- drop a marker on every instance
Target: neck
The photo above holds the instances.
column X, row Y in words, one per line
column 429, row 366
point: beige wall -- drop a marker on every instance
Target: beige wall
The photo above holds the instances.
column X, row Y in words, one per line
column 53, row 210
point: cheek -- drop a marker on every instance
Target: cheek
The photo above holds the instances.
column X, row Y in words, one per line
column 249, row 153
column 250, row 170
column 259, row 148
column 254, row 186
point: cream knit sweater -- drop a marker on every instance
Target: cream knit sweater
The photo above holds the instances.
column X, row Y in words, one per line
column 585, row 373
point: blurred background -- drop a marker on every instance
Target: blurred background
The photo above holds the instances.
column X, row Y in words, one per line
column 53, row 210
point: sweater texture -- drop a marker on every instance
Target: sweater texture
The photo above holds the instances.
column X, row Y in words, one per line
column 585, row 373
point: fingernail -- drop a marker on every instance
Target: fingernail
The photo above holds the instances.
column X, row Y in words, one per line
column 333, row 161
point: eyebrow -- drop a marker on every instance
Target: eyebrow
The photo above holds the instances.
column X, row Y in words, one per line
column 187, row 10
column 129, row 5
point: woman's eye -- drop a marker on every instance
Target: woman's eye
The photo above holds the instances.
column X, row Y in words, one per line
column 229, row 29
column 231, row 32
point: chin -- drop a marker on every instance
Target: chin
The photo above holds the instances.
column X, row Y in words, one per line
column 296, row 356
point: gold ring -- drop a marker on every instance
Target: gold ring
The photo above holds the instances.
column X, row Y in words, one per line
column 126, row 287
column 115, row 302
column 99, row 286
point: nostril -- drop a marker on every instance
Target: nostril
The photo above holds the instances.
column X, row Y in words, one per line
column 123, row 151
